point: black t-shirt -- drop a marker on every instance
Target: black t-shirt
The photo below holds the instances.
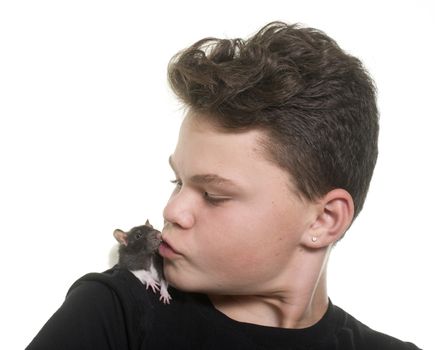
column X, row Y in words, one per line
column 113, row 310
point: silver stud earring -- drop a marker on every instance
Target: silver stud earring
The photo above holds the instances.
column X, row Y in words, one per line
column 314, row 239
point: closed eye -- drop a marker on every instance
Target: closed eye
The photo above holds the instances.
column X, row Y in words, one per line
column 177, row 182
column 215, row 199
column 211, row 198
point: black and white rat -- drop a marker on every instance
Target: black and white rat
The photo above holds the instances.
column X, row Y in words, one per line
column 138, row 253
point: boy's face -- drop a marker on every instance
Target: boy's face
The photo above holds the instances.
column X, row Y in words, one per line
column 234, row 222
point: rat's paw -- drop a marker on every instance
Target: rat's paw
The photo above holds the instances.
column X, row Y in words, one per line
column 164, row 294
column 165, row 297
column 147, row 279
column 153, row 284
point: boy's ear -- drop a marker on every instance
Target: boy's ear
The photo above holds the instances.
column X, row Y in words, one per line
column 335, row 215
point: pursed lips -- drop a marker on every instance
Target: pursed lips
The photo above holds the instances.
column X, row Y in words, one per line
column 166, row 248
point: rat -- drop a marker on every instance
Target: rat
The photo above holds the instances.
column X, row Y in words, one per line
column 138, row 253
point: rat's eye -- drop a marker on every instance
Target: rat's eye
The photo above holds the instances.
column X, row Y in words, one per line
column 139, row 234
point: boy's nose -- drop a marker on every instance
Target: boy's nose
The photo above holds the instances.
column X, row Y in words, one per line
column 178, row 212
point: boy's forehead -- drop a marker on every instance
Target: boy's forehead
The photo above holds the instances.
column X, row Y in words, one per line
column 200, row 135
column 205, row 145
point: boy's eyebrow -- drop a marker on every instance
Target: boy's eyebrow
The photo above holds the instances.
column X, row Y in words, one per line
column 206, row 179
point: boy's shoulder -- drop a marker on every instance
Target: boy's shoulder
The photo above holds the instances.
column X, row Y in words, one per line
column 368, row 338
column 122, row 284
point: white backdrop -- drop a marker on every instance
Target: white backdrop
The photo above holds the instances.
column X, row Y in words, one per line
column 87, row 123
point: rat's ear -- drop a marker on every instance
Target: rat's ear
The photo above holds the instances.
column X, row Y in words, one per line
column 120, row 236
column 148, row 224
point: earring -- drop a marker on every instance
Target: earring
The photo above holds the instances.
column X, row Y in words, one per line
column 314, row 239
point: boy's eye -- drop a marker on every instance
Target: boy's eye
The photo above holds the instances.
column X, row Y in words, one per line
column 215, row 199
column 177, row 182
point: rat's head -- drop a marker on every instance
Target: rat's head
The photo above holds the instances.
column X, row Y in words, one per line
column 144, row 238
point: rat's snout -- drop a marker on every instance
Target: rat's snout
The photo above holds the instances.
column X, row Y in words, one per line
column 159, row 235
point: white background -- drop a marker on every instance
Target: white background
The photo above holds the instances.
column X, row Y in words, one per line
column 88, row 122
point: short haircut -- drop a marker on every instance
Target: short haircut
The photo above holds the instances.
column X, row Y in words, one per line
column 315, row 102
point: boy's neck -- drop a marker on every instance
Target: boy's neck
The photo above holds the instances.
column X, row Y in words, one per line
column 292, row 309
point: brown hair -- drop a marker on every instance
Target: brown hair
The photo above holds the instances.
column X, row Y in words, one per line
column 316, row 103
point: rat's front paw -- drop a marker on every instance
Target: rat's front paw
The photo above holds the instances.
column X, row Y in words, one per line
column 164, row 294
column 153, row 284
column 165, row 297
column 147, row 279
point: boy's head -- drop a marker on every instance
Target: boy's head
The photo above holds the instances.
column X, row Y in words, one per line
column 316, row 104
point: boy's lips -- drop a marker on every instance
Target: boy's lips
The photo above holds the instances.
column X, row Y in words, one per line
column 166, row 250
